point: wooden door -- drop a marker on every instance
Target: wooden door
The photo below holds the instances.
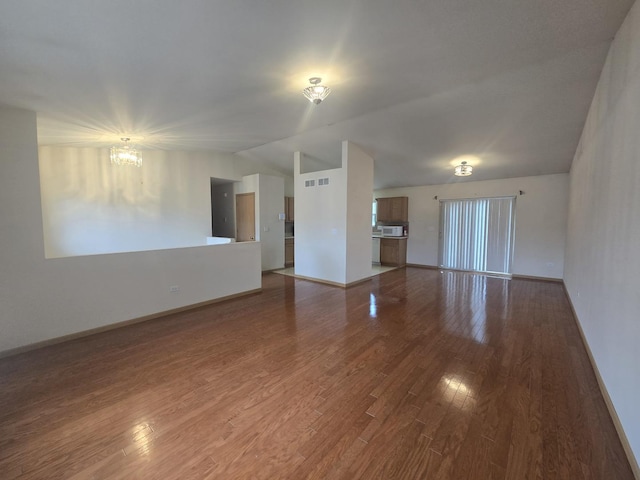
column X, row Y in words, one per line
column 245, row 217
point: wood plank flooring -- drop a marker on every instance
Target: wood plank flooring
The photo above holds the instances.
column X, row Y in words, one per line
column 416, row 374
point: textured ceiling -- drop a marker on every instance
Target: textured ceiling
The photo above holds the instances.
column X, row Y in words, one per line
column 416, row 83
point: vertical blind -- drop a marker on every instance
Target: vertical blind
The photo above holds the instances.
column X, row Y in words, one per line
column 477, row 234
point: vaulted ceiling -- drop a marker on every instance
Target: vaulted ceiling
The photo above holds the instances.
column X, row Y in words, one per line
column 416, row 83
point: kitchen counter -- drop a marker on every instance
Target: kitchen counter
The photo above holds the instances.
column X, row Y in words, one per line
column 375, row 235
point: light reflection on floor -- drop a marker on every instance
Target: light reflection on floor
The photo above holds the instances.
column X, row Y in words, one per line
column 468, row 315
column 373, row 308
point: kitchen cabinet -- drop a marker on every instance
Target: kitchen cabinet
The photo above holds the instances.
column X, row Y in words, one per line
column 289, row 252
column 288, row 209
column 393, row 251
column 392, row 209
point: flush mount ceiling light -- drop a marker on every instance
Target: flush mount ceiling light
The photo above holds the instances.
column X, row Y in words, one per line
column 125, row 154
column 316, row 93
column 463, row 170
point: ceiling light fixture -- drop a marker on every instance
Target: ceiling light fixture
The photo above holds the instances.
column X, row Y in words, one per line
column 463, row 170
column 316, row 93
column 125, row 154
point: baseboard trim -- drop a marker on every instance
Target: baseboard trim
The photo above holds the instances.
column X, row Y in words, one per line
column 540, row 279
column 515, row 275
column 358, row 282
column 605, row 394
column 330, row 283
column 112, row 326
column 427, row 267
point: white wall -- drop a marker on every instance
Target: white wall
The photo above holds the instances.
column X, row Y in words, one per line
column 271, row 227
column 359, row 170
column 333, row 226
column 541, row 218
column 320, row 227
column 603, row 262
column 43, row 298
column 269, row 203
column 90, row 206
column 288, row 187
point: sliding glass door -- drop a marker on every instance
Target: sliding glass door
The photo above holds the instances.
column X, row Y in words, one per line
column 477, row 234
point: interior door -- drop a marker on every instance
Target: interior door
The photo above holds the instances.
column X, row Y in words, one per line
column 245, row 217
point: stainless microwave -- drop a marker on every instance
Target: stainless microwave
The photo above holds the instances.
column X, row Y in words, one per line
column 392, row 231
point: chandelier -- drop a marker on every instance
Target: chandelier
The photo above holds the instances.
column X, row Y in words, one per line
column 125, row 154
column 463, row 170
column 316, row 93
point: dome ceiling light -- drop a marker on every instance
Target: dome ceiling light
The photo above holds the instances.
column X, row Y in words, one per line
column 316, row 93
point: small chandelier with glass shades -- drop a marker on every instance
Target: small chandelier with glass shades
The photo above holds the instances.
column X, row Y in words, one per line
column 463, row 170
column 316, row 93
column 126, row 154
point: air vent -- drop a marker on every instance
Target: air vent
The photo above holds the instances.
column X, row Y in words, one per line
column 309, row 183
column 323, row 181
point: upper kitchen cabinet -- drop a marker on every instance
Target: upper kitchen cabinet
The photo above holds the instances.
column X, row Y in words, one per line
column 288, row 209
column 392, row 209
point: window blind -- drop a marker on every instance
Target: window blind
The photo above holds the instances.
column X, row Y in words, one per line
column 477, row 234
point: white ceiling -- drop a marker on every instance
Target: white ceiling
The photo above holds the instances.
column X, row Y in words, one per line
column 416, row 83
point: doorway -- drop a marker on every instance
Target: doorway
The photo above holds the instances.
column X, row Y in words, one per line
column 222, row 208
column 245, row 217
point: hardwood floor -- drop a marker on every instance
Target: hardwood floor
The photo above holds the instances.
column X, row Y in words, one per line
column 416, row 374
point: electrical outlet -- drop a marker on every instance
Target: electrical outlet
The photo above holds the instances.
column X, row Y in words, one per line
column 174, row 289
